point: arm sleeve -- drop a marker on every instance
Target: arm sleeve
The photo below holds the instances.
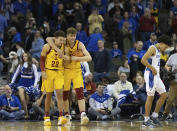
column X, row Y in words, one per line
column 35, row 75
column 92, row 103
column 42, row 62
column 17, row 72
column 169, row 62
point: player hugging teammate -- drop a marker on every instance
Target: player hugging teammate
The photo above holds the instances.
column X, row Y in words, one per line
column 59, row 69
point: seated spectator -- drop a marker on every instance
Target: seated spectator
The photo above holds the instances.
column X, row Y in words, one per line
column 26, row 77
column 81, row 34
column 140, row 90
column 95, row 21
column 122, row 84
column 2, row 61
column 124, row 68
column 38, row 107
column 116, row 52
column 37, row 45
column 134, row 59
column 16, row 36
column 10, row 106
column 151, row 41
column 102, row 62
column 101, row 105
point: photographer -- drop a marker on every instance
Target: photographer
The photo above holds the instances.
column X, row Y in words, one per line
column 10, row 106
column 101, row 105
column 171, row 65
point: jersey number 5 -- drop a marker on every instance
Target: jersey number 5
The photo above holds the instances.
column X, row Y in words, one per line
column 55, row 63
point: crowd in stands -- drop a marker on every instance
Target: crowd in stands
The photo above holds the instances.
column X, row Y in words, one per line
column 117, row 33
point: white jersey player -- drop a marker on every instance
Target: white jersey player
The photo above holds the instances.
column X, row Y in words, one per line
column 152, row 78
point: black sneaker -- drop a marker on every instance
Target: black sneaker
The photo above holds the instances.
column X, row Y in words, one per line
column 164, row 117
column 155, row 121
column 148, row 124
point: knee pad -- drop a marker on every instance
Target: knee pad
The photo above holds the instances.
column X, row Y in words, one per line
column 65, row 95
column 80, row 93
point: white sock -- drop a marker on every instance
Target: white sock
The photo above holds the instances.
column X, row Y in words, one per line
column 155, row 115
column 146, row 118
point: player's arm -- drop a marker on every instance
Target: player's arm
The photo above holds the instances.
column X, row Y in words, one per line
column 45, row 49
column 50, row 41
column 86, row 56
column 151, row 51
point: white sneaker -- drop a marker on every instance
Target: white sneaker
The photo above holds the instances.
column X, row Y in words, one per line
column 84, row 119
column 69, row 118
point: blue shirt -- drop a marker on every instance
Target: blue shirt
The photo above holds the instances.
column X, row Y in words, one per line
column 92, row 42
column 3, row 23
column 116, row 53
column 20, row 7
column 37, row 48
column 54, row 9
column 133, row 52
column 100, row 99
column 174, row 9
column 147, row 44
column 82, row 36
column 17, row 38
column 132, row 25
column 13, row 101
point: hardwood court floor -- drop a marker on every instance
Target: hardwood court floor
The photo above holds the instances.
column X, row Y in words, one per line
column 92, row 126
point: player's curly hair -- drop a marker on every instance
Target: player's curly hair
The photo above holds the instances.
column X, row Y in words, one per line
column 165, row 39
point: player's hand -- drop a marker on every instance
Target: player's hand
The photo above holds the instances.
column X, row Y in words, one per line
column 60, row 53
column 65, row 57
column 74, row 58
column 44, row 75
column 154, row 71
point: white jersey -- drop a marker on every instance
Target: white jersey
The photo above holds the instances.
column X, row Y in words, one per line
column 155, row 60
column 154, row 83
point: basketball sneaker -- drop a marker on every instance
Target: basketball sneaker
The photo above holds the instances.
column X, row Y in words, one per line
column 84, row 119
column 47, row 121
column 155, row 121
column 148, row 124
column 62, row 121
column 68, row 117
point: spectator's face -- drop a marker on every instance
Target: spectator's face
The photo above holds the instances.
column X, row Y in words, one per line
column 115, row 46
column 126, row 63
column 163, row 47
column 89, row 78
column 71, row 38
column 78, row 26
column 139, row 80
column 153, row 37
column 95, row 12
column 123, row 77
column 37, row 34
column 8, row 90
column 60, row 7
column 133, row 9
column 25, row 57
column 100, row 89
column 100, row 44
column 98, row 2
column 139, row 46
column 126, row 15
column 175, row 3
column 60, row 40
column 77, row 6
